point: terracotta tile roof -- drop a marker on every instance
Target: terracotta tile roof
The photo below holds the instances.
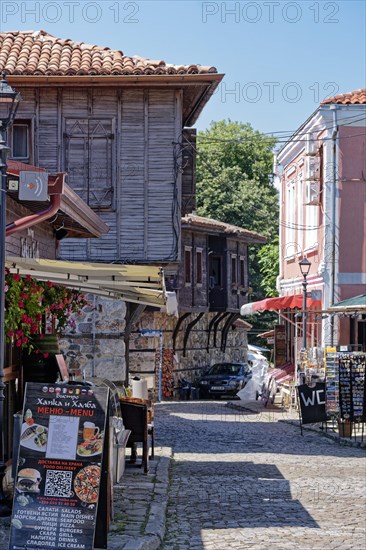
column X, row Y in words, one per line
column 194, row 221
column 240, row 323
column 40, row 53
column 350, row 98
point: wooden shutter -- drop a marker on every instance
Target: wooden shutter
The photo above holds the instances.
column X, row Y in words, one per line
column 89, row 160
column 100, row 163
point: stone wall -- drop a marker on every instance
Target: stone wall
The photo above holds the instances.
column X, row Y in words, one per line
column 96, row 346
column 145, row 352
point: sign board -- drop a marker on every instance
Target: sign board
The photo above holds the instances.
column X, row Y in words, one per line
column 56, row 489
column 280, row 345
column 33, row 185
column 150, row 333
column 316, row 294
column 312, row 403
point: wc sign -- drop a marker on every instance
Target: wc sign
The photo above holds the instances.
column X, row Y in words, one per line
column 312, row 403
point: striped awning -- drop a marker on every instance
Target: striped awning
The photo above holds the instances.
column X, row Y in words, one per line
column 133, row 283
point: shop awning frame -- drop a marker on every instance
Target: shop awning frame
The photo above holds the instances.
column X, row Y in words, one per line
column 356, row 303
column 134, row 283
column 279, row 303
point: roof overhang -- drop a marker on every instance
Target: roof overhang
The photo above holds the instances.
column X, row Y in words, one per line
column 74, row 214
column 279, row 303
column 208, row 226
column 357, row 303
column 132, row 283
column 197, row 88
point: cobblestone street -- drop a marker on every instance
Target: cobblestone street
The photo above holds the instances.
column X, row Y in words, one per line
column 250, row 481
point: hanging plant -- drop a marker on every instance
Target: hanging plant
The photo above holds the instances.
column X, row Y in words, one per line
column 34, row 307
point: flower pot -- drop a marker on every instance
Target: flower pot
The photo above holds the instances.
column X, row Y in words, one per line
column 344, row 428
column 37, row 367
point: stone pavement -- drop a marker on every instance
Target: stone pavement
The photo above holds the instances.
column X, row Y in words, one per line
column 235, row 479
column 241, row 480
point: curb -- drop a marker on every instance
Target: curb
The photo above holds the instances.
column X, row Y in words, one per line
column 156, row 524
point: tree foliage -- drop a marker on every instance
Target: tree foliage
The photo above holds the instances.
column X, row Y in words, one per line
column 269, row 266
column 235, row 185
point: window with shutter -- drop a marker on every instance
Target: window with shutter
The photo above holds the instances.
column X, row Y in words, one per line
column 188, row 265
column 89, row 160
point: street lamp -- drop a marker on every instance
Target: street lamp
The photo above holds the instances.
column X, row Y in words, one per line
column 9, row 102
column 305, row 268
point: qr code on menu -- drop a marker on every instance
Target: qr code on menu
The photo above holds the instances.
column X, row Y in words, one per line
column 58, row 483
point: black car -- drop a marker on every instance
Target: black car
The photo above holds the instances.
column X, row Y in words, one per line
column 224, row 379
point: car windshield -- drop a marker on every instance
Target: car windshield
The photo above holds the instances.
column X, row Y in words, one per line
column 225, row 368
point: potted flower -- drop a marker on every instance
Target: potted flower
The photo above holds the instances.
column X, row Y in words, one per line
column 35, row 312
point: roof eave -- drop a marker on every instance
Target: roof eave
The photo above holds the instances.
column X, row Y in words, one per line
column 73, row 206
column 120, row 80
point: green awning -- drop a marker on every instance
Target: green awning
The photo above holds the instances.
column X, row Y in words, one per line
column 355, row 303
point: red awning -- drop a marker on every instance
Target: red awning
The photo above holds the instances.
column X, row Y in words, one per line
column 278, row 303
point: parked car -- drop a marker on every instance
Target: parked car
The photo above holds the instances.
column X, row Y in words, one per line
column 224, row 379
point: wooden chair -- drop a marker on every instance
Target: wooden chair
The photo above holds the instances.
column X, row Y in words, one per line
column 137, row 417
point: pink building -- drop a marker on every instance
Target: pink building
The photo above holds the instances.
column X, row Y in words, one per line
column 323, row 216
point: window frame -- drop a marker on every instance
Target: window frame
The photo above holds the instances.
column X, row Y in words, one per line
column 187, row 266
column 28, row 124
column 199, row 266
column 242, row 271
column 234, row 270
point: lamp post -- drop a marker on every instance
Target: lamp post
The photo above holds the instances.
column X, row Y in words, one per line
column 9, row 102
column 305, row 268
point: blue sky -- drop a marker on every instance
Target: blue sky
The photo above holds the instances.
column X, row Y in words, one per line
column 280, row 58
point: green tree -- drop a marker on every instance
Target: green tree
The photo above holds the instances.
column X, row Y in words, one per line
column 235, row 185
column 269, row 266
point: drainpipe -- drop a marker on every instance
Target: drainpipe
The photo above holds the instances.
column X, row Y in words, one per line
column 333, row 221
column 34, row 219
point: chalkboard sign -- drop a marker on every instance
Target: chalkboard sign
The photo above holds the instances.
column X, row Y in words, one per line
column 56, row 490
column 312, row 403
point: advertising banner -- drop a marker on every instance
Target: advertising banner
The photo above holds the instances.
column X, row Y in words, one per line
column 58, row 477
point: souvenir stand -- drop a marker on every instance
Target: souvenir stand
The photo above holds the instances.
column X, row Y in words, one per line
column 352, row 393
column 344, row 376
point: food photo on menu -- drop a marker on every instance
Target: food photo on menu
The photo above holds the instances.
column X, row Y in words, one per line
column 90, row 440
column 33, row 435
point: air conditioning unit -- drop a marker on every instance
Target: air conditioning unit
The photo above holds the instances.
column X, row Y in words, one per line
column 312, row 192
column 312, row 169
column 311, row 145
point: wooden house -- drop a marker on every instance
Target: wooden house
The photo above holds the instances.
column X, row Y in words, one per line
column 120, row 127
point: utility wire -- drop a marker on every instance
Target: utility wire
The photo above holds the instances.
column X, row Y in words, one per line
column 290, row 133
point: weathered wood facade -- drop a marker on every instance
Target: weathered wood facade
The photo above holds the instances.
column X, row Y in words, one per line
column 120, row 149
column 121, row 129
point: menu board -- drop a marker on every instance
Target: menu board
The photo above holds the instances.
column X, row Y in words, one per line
column 332, row 383
column 58, row 479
